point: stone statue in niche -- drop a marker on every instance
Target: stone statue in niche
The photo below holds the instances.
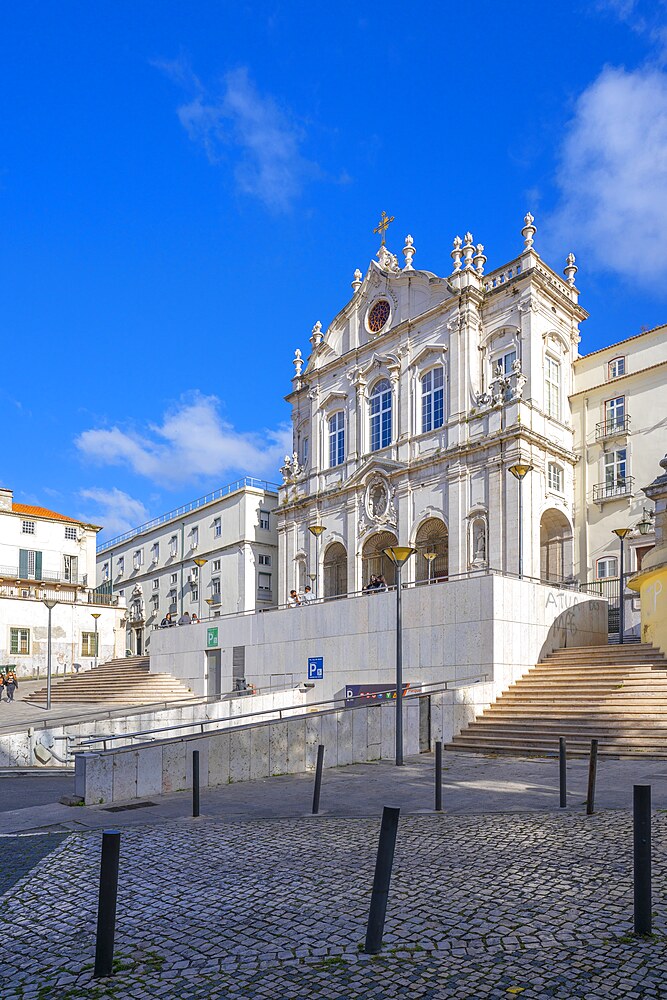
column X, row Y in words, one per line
column 479, row 542
column 377, row 499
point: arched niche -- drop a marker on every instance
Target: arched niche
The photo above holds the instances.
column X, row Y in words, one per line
column 335, row 570
column 555, row 546
column 373, row 560
column 432, row 536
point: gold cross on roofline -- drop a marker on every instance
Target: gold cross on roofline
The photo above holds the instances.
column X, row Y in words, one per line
column 382, row 226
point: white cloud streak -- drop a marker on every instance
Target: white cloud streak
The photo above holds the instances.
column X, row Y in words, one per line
column 191, row 443
column 613, row 177
column 243, row 124
column 114, row 510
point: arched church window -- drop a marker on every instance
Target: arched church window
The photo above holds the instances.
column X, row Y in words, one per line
column 433, row 399
column 381, row 415
column 337, row 439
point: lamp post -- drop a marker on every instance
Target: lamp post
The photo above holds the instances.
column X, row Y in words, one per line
column 399, row 555
column 210, row 602
column 646, row 524
column 316, row 530
column 312, row 577
column 520, row 471
column 199, row 562
column 621, row 533
column 50, row 605
column 95, row 615
column 430, row 556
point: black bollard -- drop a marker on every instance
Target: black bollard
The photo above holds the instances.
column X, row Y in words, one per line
column 106, row 907
column 562, row 761
column 383, row 866
column 592, row 775
column 438, row 776
column 641, row 806
column 195, row 782
column 318, row 779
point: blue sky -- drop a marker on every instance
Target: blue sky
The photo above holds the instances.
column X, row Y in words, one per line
column 186, row 188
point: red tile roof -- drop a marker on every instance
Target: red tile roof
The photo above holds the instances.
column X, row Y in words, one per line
column 24, row 508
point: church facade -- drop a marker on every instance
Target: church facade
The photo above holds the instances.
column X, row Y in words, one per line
column 411, row 412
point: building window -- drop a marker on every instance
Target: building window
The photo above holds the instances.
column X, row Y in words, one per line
column 264, row 519
column 615, row 468
column 155, row 603
column 606, row 568
column 216, row 565
column 71, row 569
column 264, row 582
column 433, row 400
column 217, row 527
column 337, row 439
column 70, row 533
column 89, row 643
column 381, row 415
column 121, row 565
column 555, row 477
column 552, row 387
column 215, row 585
column 28, row 527
column 305, row 451
column 194, row 593
column 156, row 584
column 105, row 571
column 640, row 554
column 504, row 363
column 264, row 560
column 121, row 594
column 155, row 552
column 616, row 367
column 614, row 414
column 138, row 558
column 173, row 545
column 173, row 578
column 19, row 641
column 172, row 600
column 30, row 564
column 194, row 538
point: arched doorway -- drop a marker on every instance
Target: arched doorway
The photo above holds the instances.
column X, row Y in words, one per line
column 373, row 560
column 555, row 547
column 335, row 570
column 432, row 536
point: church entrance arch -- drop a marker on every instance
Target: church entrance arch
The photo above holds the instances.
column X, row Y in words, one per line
column 373, row 560
column 432, row 537
column 335, row 570
column 555, row 547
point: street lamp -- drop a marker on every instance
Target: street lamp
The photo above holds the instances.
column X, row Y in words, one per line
column 430, row 556
column 96, row 615
column 621, row 533
column 199, row 562
column 210, row 602
column 50, row 605
column 646, row 524
column 520, row 471
column 399, row 555
column 316, row 530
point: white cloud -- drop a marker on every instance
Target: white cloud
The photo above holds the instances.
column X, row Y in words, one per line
column 271, row 166
column 116, row 511
column 191, row 443
column 613, row 177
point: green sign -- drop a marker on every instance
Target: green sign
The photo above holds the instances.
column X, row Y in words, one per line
column 211, row 637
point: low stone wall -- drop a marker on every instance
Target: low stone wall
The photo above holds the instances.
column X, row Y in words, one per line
column 351, row 735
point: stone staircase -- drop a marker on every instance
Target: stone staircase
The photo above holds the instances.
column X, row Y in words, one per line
column 615, row 694
column 123, row 681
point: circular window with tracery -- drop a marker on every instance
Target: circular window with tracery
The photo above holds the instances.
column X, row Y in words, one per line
column 378, row 316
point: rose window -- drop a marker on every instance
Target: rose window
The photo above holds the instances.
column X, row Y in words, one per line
column 378, row 316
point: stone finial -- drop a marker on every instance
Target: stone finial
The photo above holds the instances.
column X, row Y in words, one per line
column 388, row 261
column 479, row 260
column 298, row 363
column 571, row 268
column 468, row 250
column 408, row 252
column 316, row 337
column 528, row 231
column 456, row 253
column 356, row 284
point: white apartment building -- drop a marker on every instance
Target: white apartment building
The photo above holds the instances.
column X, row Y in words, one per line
column 619, row 408
column 154, row 568
column 46, row 556
column 426, row 391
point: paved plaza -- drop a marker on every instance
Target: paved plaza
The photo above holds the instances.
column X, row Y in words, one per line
column 482, row 904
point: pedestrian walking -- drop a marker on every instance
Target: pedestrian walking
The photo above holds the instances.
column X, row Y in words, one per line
column 11, row 683
column 2, row 683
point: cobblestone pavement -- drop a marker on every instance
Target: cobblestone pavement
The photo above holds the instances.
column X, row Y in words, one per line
column 19, row 855
column 532, row 905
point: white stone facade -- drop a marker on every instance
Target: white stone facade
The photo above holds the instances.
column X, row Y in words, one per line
column 153, row 570
column 49, row 556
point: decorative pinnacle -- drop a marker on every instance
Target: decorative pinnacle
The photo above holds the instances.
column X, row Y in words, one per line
column 408, row 252
column 316, row 338
column 298, row 363
column 356, row 284
column 528, row 231
column 571, row 269
column 479, row 260
column 456, row 254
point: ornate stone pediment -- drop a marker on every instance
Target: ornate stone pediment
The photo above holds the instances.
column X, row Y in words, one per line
column 429, row 353
column 379, row 507
column 333, row 399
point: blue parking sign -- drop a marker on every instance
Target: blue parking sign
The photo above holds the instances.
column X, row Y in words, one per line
column 315, row 668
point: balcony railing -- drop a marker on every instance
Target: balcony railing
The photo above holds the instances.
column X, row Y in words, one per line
column 612, row 428
column 46, row 576
column 620, row 487
column 31, row 591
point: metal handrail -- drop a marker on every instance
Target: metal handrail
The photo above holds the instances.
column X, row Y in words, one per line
column 305, row 710
column 248, row 481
